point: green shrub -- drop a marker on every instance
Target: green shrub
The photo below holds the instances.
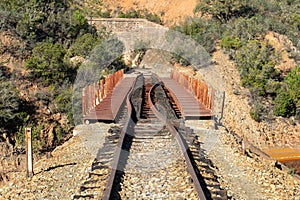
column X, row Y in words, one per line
column 131, row 14
column 230, row 42
column 256, row 62
column 39, row 21
column 60, row 133
column 205, row 32
column 152, row 17
column 47, row 63
column 257, row 111
column 284, row 105
column 224, row 10
column 107, row 52
column 287, row 103
column 63, row 102
column 9, row 104
column 83, row 45
column 246, row 29
column 292, row 81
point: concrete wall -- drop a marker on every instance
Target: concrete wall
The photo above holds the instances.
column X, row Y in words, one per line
column 118, row 25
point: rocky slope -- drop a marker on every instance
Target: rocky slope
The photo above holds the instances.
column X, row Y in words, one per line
column 238, row 120
column 75, row 158
column 60, row 175
column 170, row 11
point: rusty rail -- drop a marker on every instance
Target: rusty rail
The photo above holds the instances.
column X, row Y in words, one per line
column 200, row 89
column 182, row 144
column 94, row 93
column 127, row 127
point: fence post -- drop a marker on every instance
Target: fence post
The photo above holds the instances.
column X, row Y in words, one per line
column 223, row 105
column 29, row 159
column 83, row 101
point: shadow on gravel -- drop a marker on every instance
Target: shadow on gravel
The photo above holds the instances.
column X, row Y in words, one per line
column 57, row 166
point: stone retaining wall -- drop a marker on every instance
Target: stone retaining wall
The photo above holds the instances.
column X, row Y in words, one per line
column 118, row 25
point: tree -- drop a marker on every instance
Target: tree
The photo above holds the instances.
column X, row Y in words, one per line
column 84, row 45
column 36, row 21
column 47, row 63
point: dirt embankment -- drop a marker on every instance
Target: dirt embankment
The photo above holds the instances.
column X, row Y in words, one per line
column 35, row 101
column 170, row 11
column 279, row 133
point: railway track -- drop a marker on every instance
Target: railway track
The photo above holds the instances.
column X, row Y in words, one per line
column 152, row 163
column 154, row 157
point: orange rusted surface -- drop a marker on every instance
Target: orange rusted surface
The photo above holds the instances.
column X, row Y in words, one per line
column 284, row 154
column 109, row 108
column 94, row 93
column 199, row 88
column 188, row 104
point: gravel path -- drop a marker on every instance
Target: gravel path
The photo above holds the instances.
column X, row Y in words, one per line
column 244, row 177
column 60, row 176
column 156, row 168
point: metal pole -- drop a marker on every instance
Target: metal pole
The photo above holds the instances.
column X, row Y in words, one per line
column 28, row 152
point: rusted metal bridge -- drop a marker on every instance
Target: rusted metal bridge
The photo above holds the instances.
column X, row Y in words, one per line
column 149, row 141
column 102, row 101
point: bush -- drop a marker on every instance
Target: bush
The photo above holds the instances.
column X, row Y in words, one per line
column 287, row 103
column 152, row 17
column 284, row 105
column 63, row 101
column 256, row 62
column 292, row 81
column 224, row 10
column 131, row 14
column 9, row 104
column 83, row 45
column 257, row 111
column 107, row 52
column 38, row 21
column 205, row 32
column 246, row 29
column 230, row 42
column 47, row 63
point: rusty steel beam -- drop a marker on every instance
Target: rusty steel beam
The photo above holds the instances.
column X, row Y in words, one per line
column 96, row 92
column 128, row 125
column 195, row 86
column 182, row 144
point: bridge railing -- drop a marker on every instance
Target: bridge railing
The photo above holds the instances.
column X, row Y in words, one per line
column 94, row 93
column 199, row 88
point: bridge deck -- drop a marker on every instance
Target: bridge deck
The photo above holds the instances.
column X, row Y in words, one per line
column 108, row 109
column 190, row 107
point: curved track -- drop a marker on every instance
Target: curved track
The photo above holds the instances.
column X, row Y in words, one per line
column 152, row 159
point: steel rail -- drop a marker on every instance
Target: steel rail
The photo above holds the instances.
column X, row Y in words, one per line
column 129, row 123
column 181, row 142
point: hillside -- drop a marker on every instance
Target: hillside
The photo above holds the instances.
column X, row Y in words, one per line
column 227, row 36
column 255, row 48
column 170, row 11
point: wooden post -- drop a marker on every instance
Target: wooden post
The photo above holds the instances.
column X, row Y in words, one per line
column 223, row 105
column 28, row 152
